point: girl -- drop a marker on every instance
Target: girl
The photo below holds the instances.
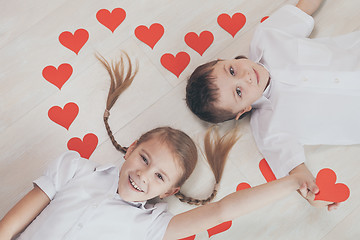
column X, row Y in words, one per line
column 78, row 199
column 299, row 91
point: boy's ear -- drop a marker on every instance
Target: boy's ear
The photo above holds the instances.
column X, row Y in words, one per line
column 172, row 191
column 247, row 109
column 130, row 149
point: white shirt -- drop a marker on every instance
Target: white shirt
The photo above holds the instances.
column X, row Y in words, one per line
column 85, row 205
column 314, row 92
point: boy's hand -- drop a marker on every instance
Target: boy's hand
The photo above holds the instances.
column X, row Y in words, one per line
column 309, row 188
column 309, row 6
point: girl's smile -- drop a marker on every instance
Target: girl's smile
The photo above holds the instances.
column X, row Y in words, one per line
column 133, row 184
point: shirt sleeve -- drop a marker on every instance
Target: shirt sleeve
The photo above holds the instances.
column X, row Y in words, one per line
column 59, row 172
column 282, row 151
column 160, row 222
column 285, row 24
column 291, row 20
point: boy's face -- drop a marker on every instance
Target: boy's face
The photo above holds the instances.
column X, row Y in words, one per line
column 150, row 170
column 241, row 82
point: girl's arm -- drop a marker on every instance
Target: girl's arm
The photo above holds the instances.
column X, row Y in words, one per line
column 23, row 213
column 309, row 6
column 230, row 207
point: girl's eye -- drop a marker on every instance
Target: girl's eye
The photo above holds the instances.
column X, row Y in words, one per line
column 232, row 71
column 145, row 160
column 238, row 91
column 159, row 176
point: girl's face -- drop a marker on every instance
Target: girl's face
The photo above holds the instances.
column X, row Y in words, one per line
column 241, row 82
column 150, row 170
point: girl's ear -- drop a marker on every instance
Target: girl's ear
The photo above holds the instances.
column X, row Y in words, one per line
column 172, row 191
column 247, row 109
column 130, row 149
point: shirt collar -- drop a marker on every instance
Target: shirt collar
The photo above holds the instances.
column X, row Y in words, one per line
column 141, row 205
column 104, row 167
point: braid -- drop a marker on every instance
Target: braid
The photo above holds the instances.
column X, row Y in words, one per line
column 114, row 142
column 216, row 151
column 118, row 84
column 194, row 201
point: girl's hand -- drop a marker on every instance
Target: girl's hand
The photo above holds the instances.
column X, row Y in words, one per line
column 305, row 177
column 310, row 197
column 308, row 188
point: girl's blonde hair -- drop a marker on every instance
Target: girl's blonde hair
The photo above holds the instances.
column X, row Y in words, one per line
column 216, row 148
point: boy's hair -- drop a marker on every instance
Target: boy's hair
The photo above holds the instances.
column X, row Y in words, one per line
column 202, row 94
column 216, row 147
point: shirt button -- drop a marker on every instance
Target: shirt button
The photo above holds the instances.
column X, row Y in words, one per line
column 305, row 79
column 337, row 80
column 80, row 226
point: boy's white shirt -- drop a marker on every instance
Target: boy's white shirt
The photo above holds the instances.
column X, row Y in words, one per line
column 85, row 205
column 314, row 93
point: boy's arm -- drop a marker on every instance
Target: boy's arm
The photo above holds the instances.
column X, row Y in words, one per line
column 230, row 207
column 309, row 6
column 23, row 213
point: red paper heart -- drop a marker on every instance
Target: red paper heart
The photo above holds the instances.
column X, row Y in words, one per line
column 219, row 228
column 329, row 190
column 75, row 41
column 64, row 116
column 266, row 171
column 57, row 76
column 231, row 24
column 176, row 64
column 86, row 147
column 199, row 43
column 242, row 186
column 150, row 36
column 112, row 19
column 188, row 238
column 264, row 18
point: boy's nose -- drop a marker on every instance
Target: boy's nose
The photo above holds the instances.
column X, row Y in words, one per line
column 246, row 80
column 245, row 76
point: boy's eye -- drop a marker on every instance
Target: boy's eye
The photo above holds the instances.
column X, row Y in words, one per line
column 232, row 71
column 145, row 160
column 159, row 176
column 238, row 91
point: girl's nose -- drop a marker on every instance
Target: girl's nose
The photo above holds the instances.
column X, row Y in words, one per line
column 142, row 174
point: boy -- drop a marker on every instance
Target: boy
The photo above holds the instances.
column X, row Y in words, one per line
column 296, row 89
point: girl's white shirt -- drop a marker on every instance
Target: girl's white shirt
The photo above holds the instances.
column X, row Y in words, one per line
column 314, row 92
column 85, row 205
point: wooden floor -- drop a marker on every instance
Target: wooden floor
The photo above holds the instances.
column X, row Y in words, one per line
column 29, row 42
